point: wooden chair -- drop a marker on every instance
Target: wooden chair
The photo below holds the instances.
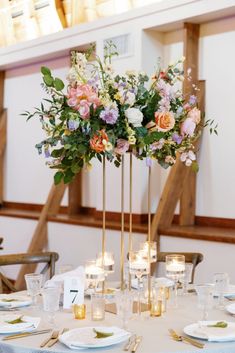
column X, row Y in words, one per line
column 1, row 240
column 190, row 257
column 47, row 258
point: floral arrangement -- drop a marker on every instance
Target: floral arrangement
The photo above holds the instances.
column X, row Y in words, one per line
column 105, row 114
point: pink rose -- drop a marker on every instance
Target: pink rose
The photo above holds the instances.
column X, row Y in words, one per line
column 84, row 110
column 188, row 127
column 122, row 146
column 195, row 115
column 165, row 121
column 82, row 93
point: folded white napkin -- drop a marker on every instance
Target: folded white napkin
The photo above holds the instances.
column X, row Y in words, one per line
column 30, row 323
column 216, row 333
column 59, row 279
column 85, row 337
column 14, row 300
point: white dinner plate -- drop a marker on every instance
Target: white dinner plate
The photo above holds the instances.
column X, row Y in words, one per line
column 231, row 308
column 84, row 337
column 14, row 300
column 212, row 334
column 29, row 324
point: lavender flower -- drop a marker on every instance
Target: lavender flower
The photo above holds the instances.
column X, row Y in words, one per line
column 148, row 162
column 109, row 115
column 47, row 153
column 192, row 100
column 177, row 138
column 73, row 125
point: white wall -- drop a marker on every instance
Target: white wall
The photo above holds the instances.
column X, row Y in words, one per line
column 28, row 179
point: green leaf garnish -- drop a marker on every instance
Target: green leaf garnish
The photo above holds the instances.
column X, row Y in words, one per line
column 100, row 334
column 18, row 320
column 9, row 300
column 220, row 324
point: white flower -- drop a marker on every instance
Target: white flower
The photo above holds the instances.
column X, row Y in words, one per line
column 81, row 61
column 130, row 98
column 134, row 116
column 72, row 75
column 188, row 158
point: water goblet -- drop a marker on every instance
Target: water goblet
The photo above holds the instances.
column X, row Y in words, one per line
column 33, row 284
column 139, row 266
column 51, row 298
column 221, row 282
column 175, row 269
column 124, row 304
column 205, row 298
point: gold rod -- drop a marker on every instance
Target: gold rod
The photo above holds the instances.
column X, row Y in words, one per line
column 149, row 234
column 104, row 217
column 130, row 212
column 122, row 226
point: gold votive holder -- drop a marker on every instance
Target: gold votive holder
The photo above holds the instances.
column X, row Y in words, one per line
column 156, row 308
column 79, row 311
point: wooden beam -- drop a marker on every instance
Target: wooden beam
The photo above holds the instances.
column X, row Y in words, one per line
column 191, row 42
column 39, row 239
column 2, row 77
column 169, row 198
column 3, row 137
column 75, row 195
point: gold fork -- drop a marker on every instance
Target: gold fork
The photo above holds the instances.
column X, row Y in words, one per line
column 136, row 344
column 53, row 336
column 53, row 341
column 177, row 337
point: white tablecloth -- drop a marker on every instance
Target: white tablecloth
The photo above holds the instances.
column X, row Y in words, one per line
column 155, row 334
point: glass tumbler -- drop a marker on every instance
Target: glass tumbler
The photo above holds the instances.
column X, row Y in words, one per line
column 124, row 304
column 97, row 307
column 205, row 298
column 33, row 285
column 221, row 282
column 51, row 299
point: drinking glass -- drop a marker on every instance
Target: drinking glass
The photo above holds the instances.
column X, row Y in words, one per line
column 139, row 266
column 97, row 306
column 33, row 284
column 187, row 277
column 51, row 298
column 175, row 269
column 221, row 282
column 205, row 298
column 124, row 303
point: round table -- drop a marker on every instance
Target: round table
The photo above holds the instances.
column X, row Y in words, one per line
column 154, row 331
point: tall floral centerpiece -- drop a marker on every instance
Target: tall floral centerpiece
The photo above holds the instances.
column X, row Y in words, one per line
column 103, row 115
column 100, row 113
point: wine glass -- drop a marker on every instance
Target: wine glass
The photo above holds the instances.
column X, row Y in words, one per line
column 205, row 298
column 221, row 282
column 51, row 299
column 33, row 284
column 139, row 266
column 175, row 269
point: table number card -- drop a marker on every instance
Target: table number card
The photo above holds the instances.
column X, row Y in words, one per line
column 73, row 291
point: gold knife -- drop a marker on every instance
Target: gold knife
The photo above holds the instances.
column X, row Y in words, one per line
column 25, row 334
column 129, row 343
column 136, row 345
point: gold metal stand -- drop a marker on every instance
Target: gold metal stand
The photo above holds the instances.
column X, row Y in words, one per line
column 149, row 234
column 130, row 213
column 104, row 218
column 122, row 226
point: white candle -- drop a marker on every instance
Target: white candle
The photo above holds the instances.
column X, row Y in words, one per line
column 175, row 266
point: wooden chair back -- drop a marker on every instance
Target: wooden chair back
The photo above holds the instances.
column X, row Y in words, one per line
column 190, row 257
column 47, row 258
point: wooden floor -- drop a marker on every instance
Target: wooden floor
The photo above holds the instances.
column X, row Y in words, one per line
column 217, row 232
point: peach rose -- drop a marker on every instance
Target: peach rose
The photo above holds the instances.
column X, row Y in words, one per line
column 165, row 121
column 99, row 141
column 195, row 115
